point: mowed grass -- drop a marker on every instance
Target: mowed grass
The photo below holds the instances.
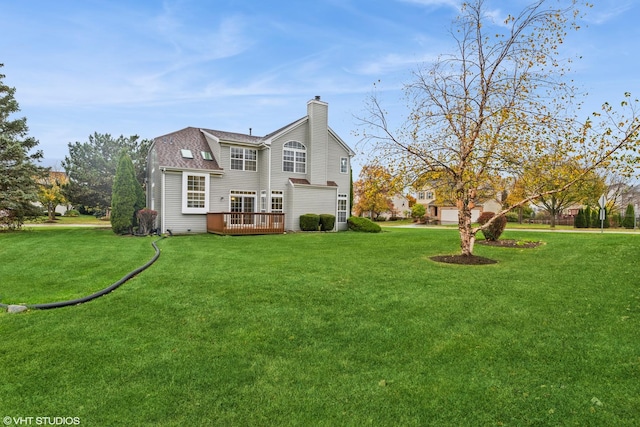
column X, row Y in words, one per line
column 50, row 265
column 330, row 329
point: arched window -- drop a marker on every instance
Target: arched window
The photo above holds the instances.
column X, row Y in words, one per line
column 294, row 157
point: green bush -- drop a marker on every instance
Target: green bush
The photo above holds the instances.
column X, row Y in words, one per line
column 627, row 221
column 364, row 225
column 511, row 217
column 595, row 219
column 72, row 212
column 309, row 222
column 327, row 222
column 418, row 211
column 580, row 221
column 496, row 228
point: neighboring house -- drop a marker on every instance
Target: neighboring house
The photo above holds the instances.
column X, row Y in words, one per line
column 399, row 208
column 303, row 167
column 448, row 214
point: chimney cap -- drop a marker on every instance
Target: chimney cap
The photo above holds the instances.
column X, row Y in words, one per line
column 317, row 97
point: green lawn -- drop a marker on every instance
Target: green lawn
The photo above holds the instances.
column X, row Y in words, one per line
column 323, row 329
column 69, row 220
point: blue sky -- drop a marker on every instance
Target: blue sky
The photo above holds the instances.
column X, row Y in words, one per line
column 152, row 67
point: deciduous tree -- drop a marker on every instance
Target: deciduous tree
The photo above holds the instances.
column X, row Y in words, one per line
column 18, row 163
column 549, row 173
column 498, row 102
column 50, row 192
column 374, row 190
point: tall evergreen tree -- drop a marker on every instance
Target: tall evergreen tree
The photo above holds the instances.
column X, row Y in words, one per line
column 18, row 168
column 91, row 167
column 629, row 214
column 580, row 221
column 125, row 196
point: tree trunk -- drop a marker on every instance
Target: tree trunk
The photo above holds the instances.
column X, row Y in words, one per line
column 51, row 211
column 467, row 237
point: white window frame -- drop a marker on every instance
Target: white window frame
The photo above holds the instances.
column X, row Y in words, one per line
column 295, row 153
column 185, row 193
column 243, row 194
column 342, row 213
column 274, row 196
column 344, row 164
column 243, row 158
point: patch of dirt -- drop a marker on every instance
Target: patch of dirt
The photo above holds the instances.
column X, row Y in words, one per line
column 506, row 243
column 463, row 259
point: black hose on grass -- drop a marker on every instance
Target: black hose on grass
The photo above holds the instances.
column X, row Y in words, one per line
column 99, row 293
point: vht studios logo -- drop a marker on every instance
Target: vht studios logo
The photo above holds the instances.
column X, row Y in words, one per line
column 41, row 421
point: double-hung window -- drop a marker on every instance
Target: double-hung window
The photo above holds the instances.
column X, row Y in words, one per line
column 244, row 159
column 195, row 193
column 344, row 162
column 294, row 157
column 342, row 207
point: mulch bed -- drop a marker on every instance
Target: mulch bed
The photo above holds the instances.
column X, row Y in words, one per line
column 478, row 260
column 463, row 259
column 506, row 243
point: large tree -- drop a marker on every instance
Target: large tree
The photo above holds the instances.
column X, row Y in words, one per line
column 91, row 167
column 551, row 172
column 18, row 164
column 374, row 191
column 498, row 102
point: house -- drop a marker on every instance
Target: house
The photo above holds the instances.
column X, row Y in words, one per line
column 199, row 176
column 445, row 213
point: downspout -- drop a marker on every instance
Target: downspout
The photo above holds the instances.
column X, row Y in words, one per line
column 269, row 180
column 163, row 203
column 335, row 213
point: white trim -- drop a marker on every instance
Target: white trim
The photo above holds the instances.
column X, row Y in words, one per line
column 346, row 159
column 295, row 162
column 244, row 159
column 185, row 180
column 345, row 197
column 248, row 194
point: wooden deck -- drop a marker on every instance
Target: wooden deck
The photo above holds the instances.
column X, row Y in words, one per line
column 241, row 223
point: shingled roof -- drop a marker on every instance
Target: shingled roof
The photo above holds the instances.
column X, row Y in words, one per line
column 169, row 155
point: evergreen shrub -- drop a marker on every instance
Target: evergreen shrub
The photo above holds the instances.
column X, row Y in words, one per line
column 627, row 221
column 309, row 222
column 327, row 222
column 580, row 221
column 365, row 225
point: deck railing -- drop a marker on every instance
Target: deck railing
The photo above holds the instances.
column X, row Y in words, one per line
column 245, row 223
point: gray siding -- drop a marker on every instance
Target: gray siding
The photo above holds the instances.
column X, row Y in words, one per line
column 309, row 199
column 318, row 134
column 236, row 179
column 279, row 178
column 175, row 220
